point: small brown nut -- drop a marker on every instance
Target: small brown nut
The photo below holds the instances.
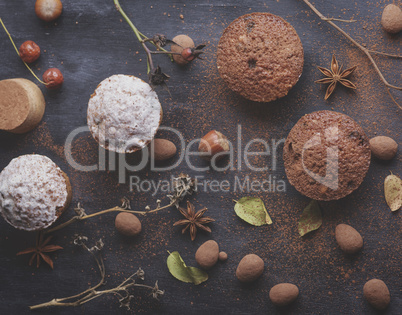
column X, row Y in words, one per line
column 348, row 239
column 127, row 224
column 383, row 147
column 391, row 19
column 48, row 10
column 29, row 51
column 185, row 42
column 377, row 294
column 213, row 144
column 250, row 268
column 207, row 254
column 53, row 78
column 222, row 256
column 162, row 149
column 283, row 294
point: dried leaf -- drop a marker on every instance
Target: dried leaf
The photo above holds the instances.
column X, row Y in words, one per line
column 253, row 211
column 180, row 271
column 393, row 191
column 311, row 218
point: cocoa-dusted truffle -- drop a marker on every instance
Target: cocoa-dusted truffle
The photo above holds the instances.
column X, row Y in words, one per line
column 128, row 224
column 326, row 155
column 260, row 56
column 250, row 268
column 377, row 294
column 207, row 254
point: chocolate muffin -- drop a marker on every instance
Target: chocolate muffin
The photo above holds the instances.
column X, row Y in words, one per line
column 326, row 155
column 260, row 56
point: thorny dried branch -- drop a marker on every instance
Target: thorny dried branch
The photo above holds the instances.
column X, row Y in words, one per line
column 121, row 291
column 366, row 51
column 182, row 186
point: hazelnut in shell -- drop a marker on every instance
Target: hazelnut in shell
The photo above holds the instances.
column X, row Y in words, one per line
column 127, row 224
column 213, row 145
column 48, row 10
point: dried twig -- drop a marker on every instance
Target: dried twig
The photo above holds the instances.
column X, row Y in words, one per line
column 121, row 291
column 183, row 185
column 366, row 51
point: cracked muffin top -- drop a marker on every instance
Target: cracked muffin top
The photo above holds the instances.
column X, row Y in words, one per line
column 260, row 56
column 326, row 155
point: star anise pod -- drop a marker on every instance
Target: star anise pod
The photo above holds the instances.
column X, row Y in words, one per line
column 39, row 251
column 194, row 220
column 336, row 75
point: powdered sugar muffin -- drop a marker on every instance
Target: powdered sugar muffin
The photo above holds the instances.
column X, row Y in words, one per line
column 124, row 113
column 34, row 192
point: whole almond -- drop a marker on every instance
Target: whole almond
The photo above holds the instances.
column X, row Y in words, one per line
column 162, row 149
column 383, row 147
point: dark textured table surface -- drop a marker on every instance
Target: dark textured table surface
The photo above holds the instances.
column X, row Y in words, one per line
column 90, row 42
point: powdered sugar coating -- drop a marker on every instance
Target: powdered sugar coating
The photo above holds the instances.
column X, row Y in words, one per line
column 32, row 189
column 124, row 113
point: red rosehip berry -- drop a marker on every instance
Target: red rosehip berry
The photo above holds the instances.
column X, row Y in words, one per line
column 53, row 78
column 29, row 51
column 188, row 54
